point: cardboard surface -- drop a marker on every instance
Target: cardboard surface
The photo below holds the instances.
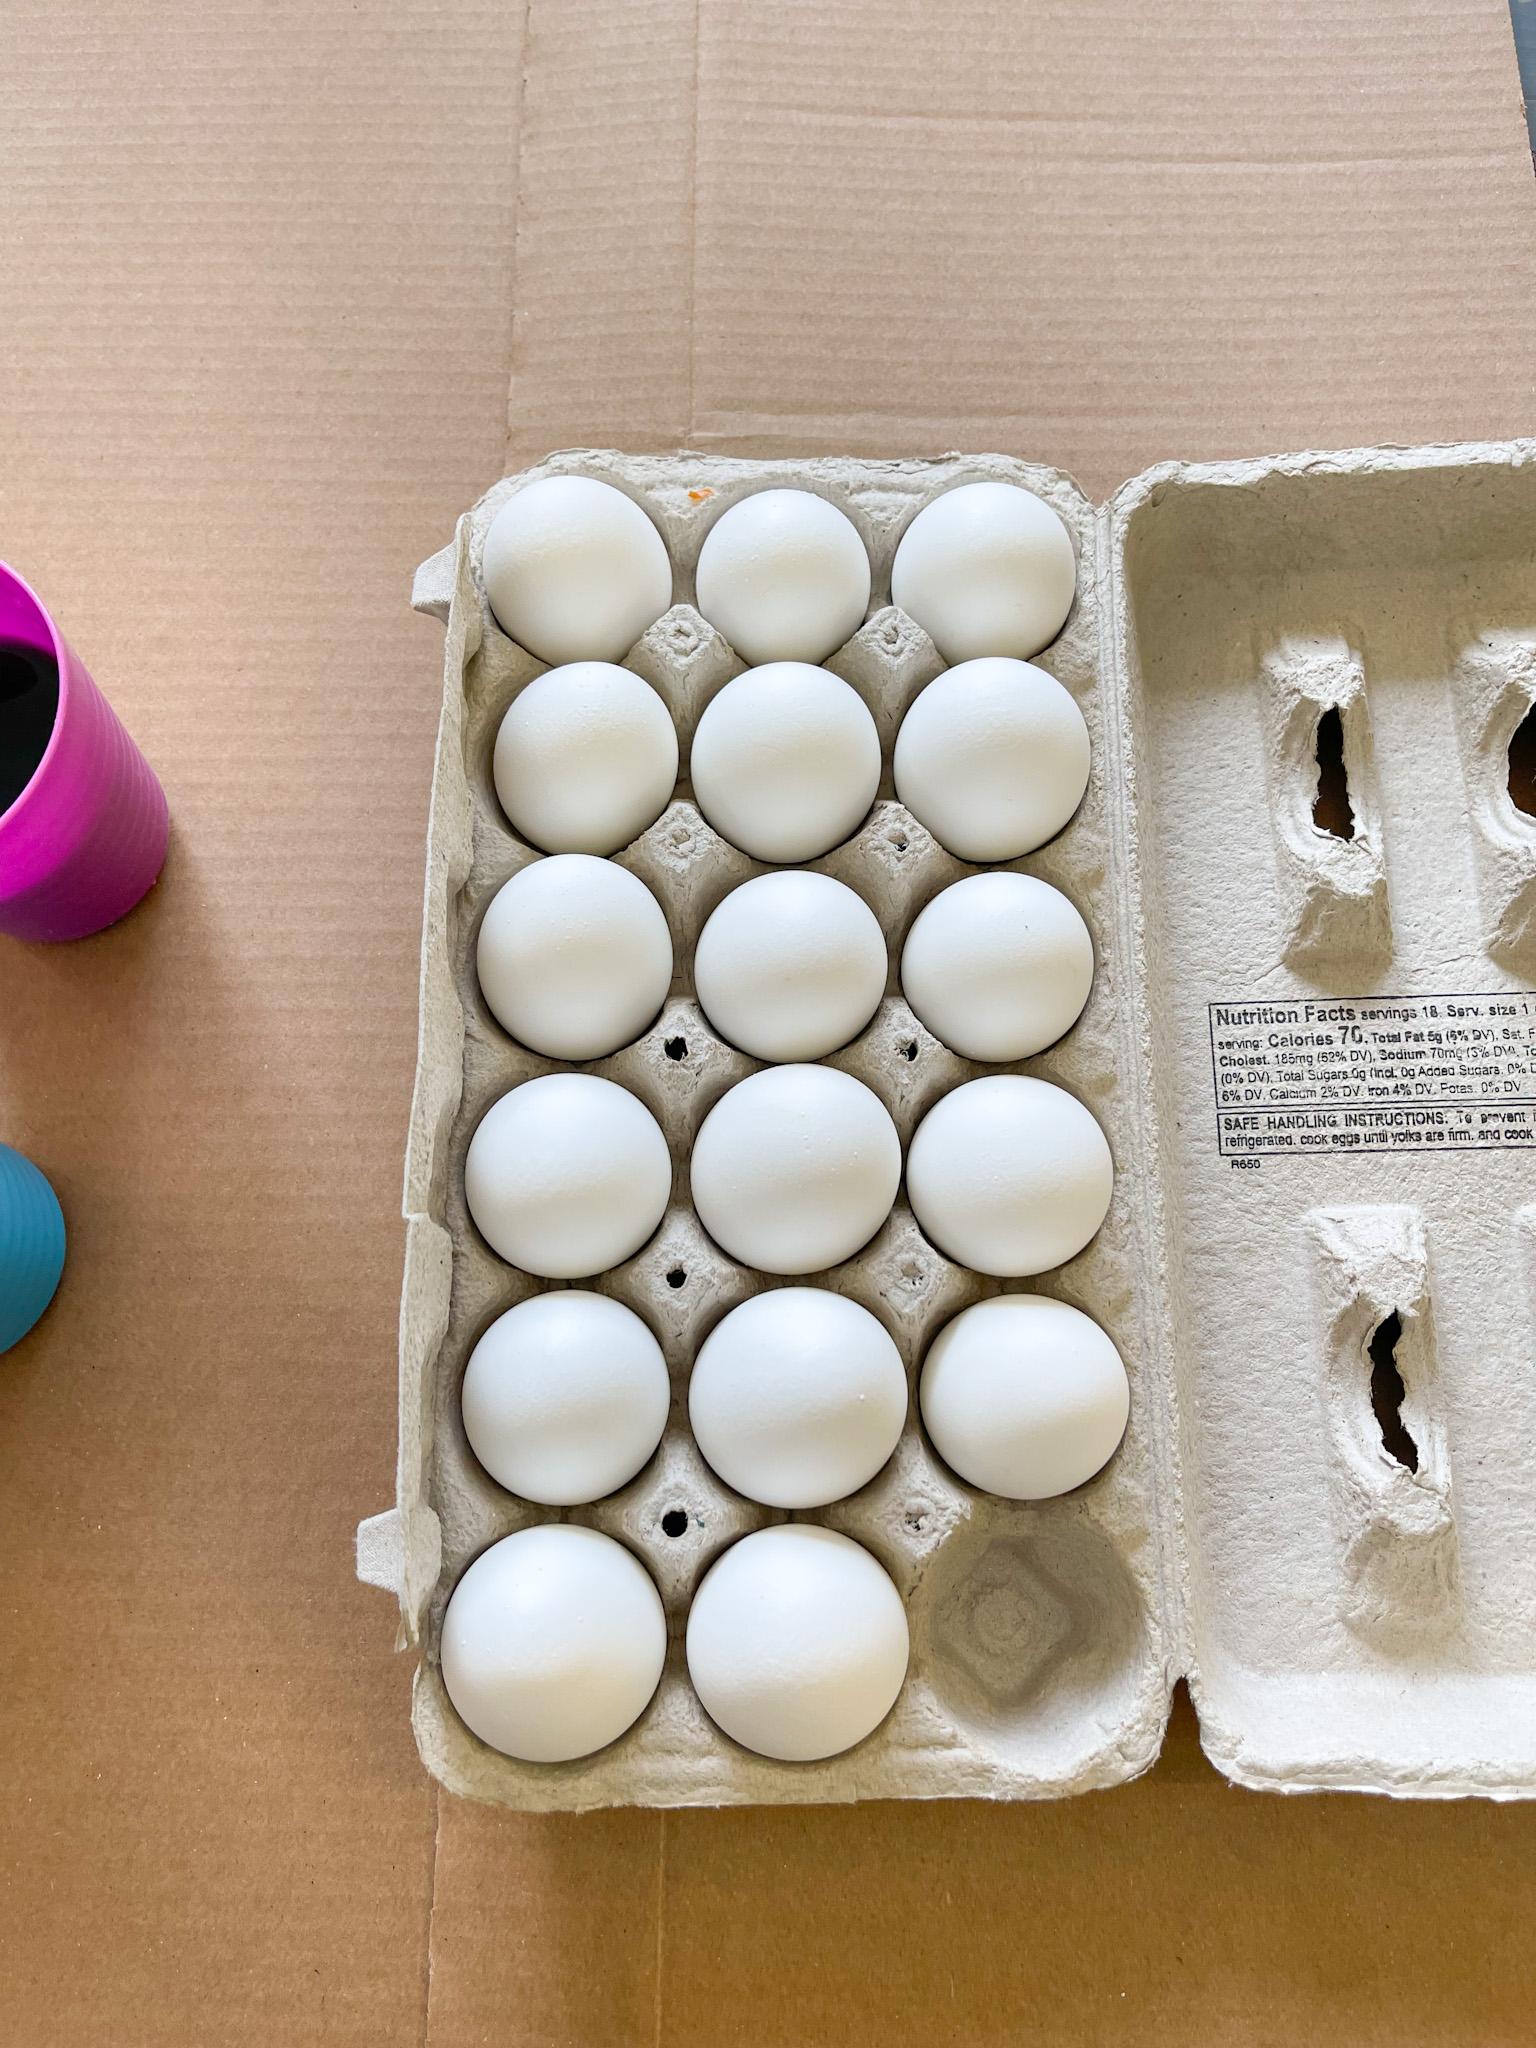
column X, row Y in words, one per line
column 1096, row 231
column 259, row 270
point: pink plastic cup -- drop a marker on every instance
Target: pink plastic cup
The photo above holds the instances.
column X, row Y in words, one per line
column 85, row 838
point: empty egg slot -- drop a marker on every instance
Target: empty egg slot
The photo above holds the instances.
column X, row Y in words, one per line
column 1390, row 1478
column 1493, row 690
column 29, row 703
column 1319, row 767
column 1030, row 1614
column 1332, row 811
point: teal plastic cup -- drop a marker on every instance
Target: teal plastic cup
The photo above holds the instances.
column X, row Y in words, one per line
column 31, row 1245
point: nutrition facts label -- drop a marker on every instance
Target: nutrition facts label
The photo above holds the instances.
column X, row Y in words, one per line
column 1374, row 1074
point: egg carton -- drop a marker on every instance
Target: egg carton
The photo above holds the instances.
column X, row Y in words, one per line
column 1343, row 1620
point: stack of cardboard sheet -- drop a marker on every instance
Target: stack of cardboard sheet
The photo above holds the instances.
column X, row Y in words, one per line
column 269, row 272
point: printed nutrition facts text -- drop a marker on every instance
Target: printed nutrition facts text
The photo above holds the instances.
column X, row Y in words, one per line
column 1374, row 1074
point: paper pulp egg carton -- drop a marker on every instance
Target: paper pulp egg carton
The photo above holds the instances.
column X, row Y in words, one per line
column 1320, row 1261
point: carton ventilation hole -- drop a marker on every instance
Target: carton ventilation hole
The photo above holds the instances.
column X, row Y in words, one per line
column 674, row 1522
column 1332, row 812
column 676, row 1048
column 676, row 1277
column 1387, row 1392
column 1522, row 765
column 909, row 1050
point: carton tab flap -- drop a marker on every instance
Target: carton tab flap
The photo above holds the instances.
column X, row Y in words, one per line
column 432, row 585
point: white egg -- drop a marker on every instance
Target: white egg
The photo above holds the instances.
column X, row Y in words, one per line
column 586, row 758
column 565, row 1397
column 998, row 966
column 992, row 758
column 1024, row 1396
column 553, row 1643
column 795, row 1168
column 986, row 569
column 567, row 1176
column 797, row 1643
column 574, row 570
column 786, row 761
column 574, row 956
column 784, row 576
column 798, row 1397
column 1009, row 1175
column 790, row 966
